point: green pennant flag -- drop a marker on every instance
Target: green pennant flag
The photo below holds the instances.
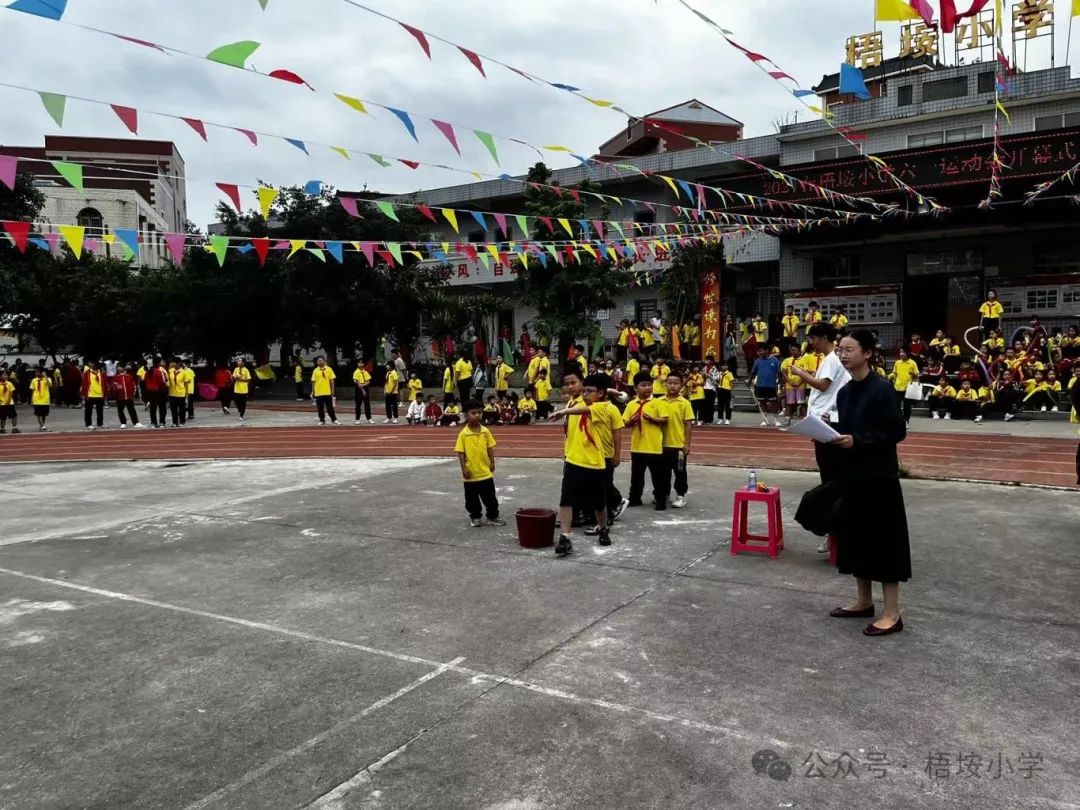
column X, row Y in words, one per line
column 219, row 246
column 129, row 254
column 55, row 105
column 72, row 172
column 263, row 4
column 233, row 54
column 485, row 260
column 598, row 346
column 318, row 254
column 395, row 251
column 388, row 210
column 523, row 223
column 379, row 159
column 488, row 140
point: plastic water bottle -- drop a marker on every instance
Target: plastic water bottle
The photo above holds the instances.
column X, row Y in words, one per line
column 751, row 481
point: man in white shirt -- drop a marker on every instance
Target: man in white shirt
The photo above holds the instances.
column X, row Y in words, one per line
column 655, row 323
column 831, row 376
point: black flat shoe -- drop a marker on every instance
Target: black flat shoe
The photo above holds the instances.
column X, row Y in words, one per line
column 844, row 613
column 870, row 630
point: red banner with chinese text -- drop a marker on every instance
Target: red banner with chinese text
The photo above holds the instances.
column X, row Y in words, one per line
column 711, row 331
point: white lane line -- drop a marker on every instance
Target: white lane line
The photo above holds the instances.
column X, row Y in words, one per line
column 333, row 800
column 276, row 762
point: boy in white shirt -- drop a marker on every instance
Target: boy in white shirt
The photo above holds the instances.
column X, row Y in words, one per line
column 415, row 414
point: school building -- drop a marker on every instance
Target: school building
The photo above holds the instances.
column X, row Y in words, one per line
column 910, row 271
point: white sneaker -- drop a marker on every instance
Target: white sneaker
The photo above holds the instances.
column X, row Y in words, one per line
column 764, row 422
column 139, row 426
column 393, row 421
column 776, row 423
column 935, row 415
column 336, row 422
column 823, row 548
column 948, row 417
column 727, row 421
column 1054, row 409
column 358, row 422
column 679, row 502
column 1043, row 409
column 89, row 427
column 123, row 427
column 370, row 422
column 1009, row 417
column 241, row 419
column 386, row 421
column 978, row 419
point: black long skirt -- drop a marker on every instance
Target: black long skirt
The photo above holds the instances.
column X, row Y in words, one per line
column 872, row 532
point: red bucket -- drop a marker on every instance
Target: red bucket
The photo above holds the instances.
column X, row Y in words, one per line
column 536, row 527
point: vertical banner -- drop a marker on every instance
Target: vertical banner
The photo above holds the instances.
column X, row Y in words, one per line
column 711, row 327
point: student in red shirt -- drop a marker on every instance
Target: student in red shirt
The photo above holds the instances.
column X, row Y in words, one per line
column 123, row 388
column 157, row 392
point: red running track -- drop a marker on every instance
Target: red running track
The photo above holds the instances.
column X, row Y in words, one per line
column 936, row 455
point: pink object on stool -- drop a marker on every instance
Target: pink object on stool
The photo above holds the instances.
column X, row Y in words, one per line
column 770, row 544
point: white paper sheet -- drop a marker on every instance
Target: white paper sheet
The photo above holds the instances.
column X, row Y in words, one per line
column 812, row 427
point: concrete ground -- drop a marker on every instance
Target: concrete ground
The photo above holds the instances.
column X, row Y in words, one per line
column 265, row 634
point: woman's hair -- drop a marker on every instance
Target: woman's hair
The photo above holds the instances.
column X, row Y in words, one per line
column 865, row 339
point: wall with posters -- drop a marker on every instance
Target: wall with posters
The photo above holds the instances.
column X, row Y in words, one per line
column 1044, row 296
column 864, row 306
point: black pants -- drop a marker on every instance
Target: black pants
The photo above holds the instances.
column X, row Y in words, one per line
column 325, row 405
column 241, row 404
column 464, row 388
column 937, row 404
column 965, row 409
column 543, row 408
column 612, row 496
column 1004, row 402
column 391, row 406
column 94, row 404
column 157, row 401
column 658, row 472
column 708, row 407
column 671, row 460
column 363, row 403
column 988, row 325
column 224, row 398
column 128, row 406
column 481, row 492
column 178, row 410
column 723, row 403
column 697, row 406
column 1040, row 399
column 829, row 461
column 301, row 391
column 904, row 404
column 190, row 406
column 733, row 365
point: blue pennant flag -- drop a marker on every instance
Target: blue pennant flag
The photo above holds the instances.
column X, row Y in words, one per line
column 336, row 250
column 313, row 187
column 299, row 145
column 851, row 81
column 479, row 217
column 803, row 93
column 245, row 249
column 404, row 118
column 41, row 243
column 50, row 9
column 129, row 236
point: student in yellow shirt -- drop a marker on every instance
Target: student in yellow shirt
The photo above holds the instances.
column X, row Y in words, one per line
column 93, row 393
column 448, row 385
column 241, row 386
column 538, row 363
column 475, row 450
column 724, row 383
column 502, row 375
column 543, row 395
column 633, row 368
column 391, row 384
column 839, row 320
column 622, row 341
column 677, row 433
column 813, row 314
column 967, row 401
column 794, row 385
column 189, row 386
column 40, row 399
column 298, row 378
column 760, row 328
column 990, row 313
column 905, row 371
column 585, row 471
column 527, row 406
column 1037, row 393
column 695, row 392
column 994, row 344
column 463, row 377
column 177, row 393
column 7, row 404
column 324, row 390
column 942, row 399
column 361, row 378
column 645, row 418
column 789, row 328
column 647, row 339
column 658, row 373
column 451, row 414
column 415, row 386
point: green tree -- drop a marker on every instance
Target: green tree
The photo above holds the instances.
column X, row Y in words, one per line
column 566, row 296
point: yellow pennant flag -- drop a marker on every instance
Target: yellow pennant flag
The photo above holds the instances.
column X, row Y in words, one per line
column 670, row 183
column 494, row 251
column 297, row 244
column 566, row 226
column 1075, row 7
column 451, row 217
column 1003, row 111
column 895, row 11
column 599, row 102
column 109, row 238
column 73, row 235
column 341, row 151
column 445, row 247
column 555, row 148
column 355, row 103
column 589, row 249
column 266, row 199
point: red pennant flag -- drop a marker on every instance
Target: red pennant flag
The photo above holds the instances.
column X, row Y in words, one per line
column 196, row 125
column 558, row 191
column 412, row 164
column 475, row 59
column 289, row 76
column 470, row 251
column 387, row 257
column 416, row 32
column 262, row 247
column 129, row 116
column 423, row 209
column 779, row 74
column 575, row 195
column 232, row 192
column 19, row 231
column 251, row 136
column 549, row 222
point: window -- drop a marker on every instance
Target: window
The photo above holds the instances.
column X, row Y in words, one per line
column 836, row 271
column 986, row 82
column 905, row 96
column 1058, row 259
column 91, row 219
column 1072, row 119
column 1044, row 122
column 945, row 88
column 1042, row 298
column 477, row 236
column 645, row 310
column 959, row 134
column 825, row 154
column 926, row 139
column 645, row 216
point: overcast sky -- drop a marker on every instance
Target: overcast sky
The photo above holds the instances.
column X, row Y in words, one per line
column 644, row 55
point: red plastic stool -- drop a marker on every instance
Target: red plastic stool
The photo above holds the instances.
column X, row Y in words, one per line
column 770, row 544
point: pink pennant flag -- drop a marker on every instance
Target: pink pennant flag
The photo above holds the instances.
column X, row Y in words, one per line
column 129, row 116
column 175, row 243
column 232, row 192
column 289, row 76
column 283, row 244
column 143, row 42
column 423, row 209
column 250, row 135
column 448, row 131
column 8, row 165
column 779, row 74
column 52, row 238
column 599, row 226
column 368, row 249
column 196, row 125
column 349, row 204
column 501, row 219
column 92, row 246
column 416, row 32
column 475, row 59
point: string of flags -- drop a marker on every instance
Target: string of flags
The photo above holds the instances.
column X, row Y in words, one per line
column 1001, row 72
column 236, row 55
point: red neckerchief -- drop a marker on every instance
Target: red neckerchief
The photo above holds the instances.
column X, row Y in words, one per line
column 640, row 419
column 583, row 426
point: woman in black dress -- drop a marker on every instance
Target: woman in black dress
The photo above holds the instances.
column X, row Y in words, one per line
column 870, row 520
